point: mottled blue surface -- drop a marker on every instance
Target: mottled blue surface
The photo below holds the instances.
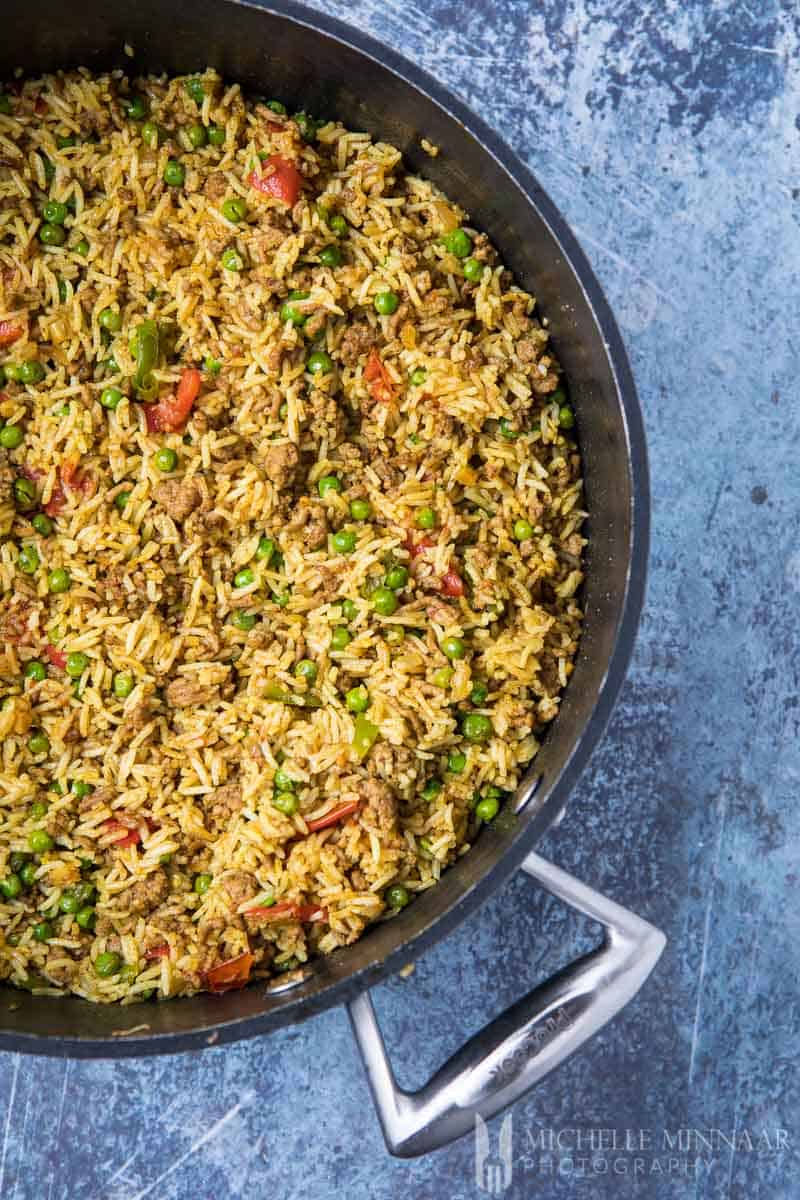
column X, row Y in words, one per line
column 667, row 131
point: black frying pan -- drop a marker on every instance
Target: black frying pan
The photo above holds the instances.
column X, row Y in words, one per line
column 316, row 63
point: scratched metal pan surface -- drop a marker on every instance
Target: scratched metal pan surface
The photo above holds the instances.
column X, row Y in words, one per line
column 317, row 63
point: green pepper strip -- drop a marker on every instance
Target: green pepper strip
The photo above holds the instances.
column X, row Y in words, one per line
column 273, row 691
column 364, row 735
column 145, row 348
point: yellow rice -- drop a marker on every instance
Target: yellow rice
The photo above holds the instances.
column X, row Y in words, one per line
column 152, row 593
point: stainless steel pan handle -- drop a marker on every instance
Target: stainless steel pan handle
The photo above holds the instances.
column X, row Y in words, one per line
column 511, row 1054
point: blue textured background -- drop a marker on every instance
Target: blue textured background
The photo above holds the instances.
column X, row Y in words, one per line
column 667, row 131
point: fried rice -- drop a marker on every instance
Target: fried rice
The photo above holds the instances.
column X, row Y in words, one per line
column 290, row 549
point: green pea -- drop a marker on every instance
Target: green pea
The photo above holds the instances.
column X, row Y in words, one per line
column 306, row 669
column 330, row 256
column 441, row 678
column 396, row 578
column 476, row 727
column 456, row 763
column 566, row 417
column 111, row 320
column 360, row 510
column 340, row 638
column 82, row 248
column 459, row 243
column 419, row 376
column 11, row 436
column 135, row 108
column 121, row 499
column 43, row 931
column 52, row 235
column 196, row 136
column 86, row 917
column 265, row 549
column 290, row 312
column 195, row 89
column 17, row 861
column 5, row 105
column 282, row 780
column 386, row 303
column 216, row 135
column 54, row 212
column 27, row 873
column 306, row 126
column 384, row 601
column 39, row 743
column 166, row 459
column 357, row 699
column 12, row 372
column 507, row 430
column 39, row 841
column 69, row 903
column 523, row 530
column 59, row 580
column 487, row 808
column 397, row 896
column 31, row 371
column 42, row 524
column 329, row 483
column 426, row 518
column 281, row 598
column 349, row 610
column 11, row 887
column 38, row 810
column 35, row 670
column 76, row 664
column 344, row 542
column 28, row 561
column 338, row 225
column 202, row 883
column 107, row 964
column 431, row 789
column 24, row 491
column 276, row 107
column 231, row 259
column 319, row 363
column 111, row 398
column 473, row 270
column 80, row 788
column 243, row 620
column 174, row 173
column 243, row 578
column 286, row 802
column 212, row 366
column 84, row 891
column 479, row 693
column 234, row 209
column 453, row 647
column 123, row 684
column 152, row 134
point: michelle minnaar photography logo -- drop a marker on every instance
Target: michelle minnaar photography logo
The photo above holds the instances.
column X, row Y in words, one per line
column 590, row 1152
